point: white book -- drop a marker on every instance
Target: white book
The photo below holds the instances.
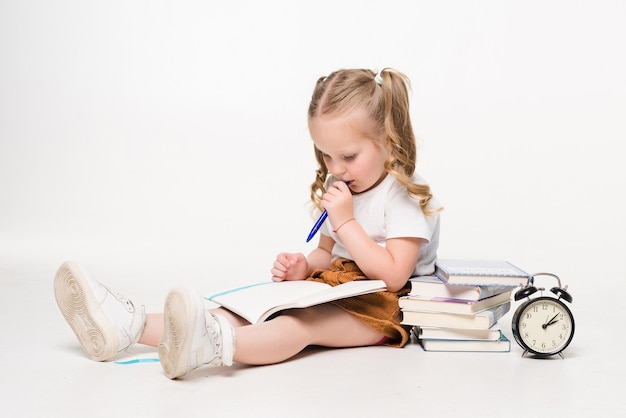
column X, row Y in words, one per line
column 480, row 272
column 480, row 320
column 258, row 302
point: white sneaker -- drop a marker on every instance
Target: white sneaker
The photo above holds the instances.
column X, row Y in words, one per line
column 192, row 336
column 104, row 321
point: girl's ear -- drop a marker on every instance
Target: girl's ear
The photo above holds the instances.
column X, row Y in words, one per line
column 388, row 146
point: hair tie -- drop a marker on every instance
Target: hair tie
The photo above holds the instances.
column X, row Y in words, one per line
column 378, row 78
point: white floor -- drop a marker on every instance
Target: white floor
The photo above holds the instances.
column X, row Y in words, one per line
column 46, row 374
column 163, row 143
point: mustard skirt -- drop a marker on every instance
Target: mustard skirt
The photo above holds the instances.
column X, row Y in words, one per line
column 379, row 311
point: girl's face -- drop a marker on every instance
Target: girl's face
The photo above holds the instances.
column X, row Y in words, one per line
column 351, row 152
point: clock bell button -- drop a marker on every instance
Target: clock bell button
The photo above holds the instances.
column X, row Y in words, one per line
column 525, row 292
column 562, row 293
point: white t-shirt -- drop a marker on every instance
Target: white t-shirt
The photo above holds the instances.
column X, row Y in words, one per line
column 387, row 211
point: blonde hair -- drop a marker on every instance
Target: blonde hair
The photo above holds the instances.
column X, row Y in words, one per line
column 385, row 99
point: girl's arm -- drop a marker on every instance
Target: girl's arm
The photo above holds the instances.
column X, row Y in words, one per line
column 321, row 257
column 295, row 266
column 393, row 264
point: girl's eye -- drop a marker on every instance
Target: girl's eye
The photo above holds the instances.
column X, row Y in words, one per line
column 343, row 157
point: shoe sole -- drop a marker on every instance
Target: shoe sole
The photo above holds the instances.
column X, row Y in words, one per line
column 82, row 311
column 180, row 313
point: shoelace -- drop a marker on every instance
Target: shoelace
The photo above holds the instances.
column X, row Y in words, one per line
column 215, row 335
column 129, row 305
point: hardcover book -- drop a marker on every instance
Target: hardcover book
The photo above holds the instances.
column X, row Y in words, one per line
column 480, row 320
column 433, row 286
column 434, row 333
column 502, row 345
column 463, row 306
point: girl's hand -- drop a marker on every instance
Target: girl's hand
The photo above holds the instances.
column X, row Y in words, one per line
column 290, row 266
column 338, row 203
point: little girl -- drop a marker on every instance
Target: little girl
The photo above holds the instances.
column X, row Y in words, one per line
column 382, row 224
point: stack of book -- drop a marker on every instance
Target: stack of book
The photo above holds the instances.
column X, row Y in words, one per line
column 458, row 308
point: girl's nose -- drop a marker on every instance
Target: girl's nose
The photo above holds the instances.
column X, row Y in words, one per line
column 337, row 170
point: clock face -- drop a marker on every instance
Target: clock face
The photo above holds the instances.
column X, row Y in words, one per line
column 543, row 326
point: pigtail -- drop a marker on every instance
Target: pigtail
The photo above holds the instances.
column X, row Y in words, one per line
column 317, row 187
column 402, row 160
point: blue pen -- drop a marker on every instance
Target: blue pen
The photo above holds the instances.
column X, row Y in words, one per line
column 319, row 222
column 317, row 225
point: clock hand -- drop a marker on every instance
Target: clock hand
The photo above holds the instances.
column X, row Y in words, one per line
column 550, row 322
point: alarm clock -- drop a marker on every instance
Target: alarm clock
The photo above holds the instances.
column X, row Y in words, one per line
column 544, row 325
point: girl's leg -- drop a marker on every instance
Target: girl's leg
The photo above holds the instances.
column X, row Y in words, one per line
column 285, row 336
column 192, row 337
column 153, row 328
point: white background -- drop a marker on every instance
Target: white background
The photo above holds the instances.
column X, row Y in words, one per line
column 179, row 128
column 165, row 142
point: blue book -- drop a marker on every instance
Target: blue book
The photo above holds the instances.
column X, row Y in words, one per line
column 502, row 345
column 433, row 286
